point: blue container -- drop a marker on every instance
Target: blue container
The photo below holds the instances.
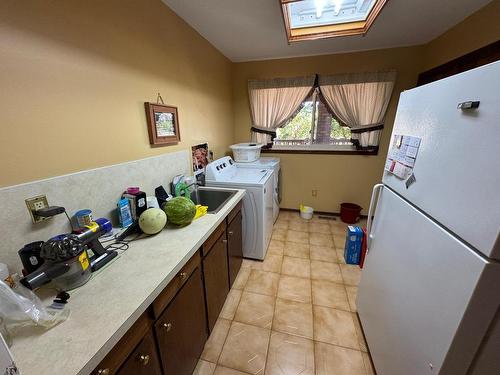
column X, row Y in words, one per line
column 83, row 218
column 353, row 241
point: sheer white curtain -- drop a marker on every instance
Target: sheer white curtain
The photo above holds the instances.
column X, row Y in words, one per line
column 360, row 101
column 273, row 102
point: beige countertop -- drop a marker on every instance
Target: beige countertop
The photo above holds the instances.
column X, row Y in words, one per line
column 105, row 307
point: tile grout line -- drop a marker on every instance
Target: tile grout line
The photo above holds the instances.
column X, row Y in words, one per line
column 355, row 313
column 233, row 320
column 272, row 324
column 231, row 323
column 312, row 312
column 347, row 296
column 276, row 297
column 344, row 288
column 340, row 346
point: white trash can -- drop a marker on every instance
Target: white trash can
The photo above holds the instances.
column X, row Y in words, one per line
column 306, row 212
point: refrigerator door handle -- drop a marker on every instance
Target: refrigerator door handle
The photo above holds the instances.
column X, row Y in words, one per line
column 373, row 204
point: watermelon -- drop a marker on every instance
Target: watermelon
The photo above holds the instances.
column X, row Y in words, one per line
column 180, row 210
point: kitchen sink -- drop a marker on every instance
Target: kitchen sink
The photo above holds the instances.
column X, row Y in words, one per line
column 214, row 199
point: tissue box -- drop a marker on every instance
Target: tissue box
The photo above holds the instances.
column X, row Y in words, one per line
column 353, row 241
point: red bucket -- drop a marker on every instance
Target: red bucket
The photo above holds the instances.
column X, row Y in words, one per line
column 350, row 213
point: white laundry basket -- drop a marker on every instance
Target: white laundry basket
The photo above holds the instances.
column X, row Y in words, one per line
column 246, row 152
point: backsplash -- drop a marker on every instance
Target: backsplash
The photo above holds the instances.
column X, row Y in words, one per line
column 96, row 189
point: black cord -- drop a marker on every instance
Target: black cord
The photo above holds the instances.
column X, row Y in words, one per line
column 118, row 245
column 113, row 238
column 70, row 222
column 122, row 245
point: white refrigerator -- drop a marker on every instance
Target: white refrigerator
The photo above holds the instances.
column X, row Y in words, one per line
column 429, row 294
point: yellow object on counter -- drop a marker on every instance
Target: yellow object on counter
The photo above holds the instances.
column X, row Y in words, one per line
column 200, row 211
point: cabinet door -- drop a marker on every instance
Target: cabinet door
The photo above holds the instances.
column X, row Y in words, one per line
column 181, row 329
column 143, row 360
column 215, row 270
column 124, row 349
column 234, row 247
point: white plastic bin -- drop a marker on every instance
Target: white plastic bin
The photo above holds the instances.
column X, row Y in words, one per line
column 246, row 152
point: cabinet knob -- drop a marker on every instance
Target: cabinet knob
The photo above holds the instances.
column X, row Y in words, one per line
column 144, row 359
column 224, row 241
column 104, row 371
column 167, row 326
column 230, row 233
column 183, row 275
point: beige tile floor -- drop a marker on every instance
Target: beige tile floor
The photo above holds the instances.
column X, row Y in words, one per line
column 295, row 312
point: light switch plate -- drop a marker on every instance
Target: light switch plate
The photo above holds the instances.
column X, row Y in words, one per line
column 34, row 204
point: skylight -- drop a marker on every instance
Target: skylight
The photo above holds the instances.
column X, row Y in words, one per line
column 317, row 19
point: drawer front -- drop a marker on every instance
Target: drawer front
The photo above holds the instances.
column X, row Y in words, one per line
column 122, row 350
column 144, row 359
column 209, row 243
column 181, row 331
column 161, row 302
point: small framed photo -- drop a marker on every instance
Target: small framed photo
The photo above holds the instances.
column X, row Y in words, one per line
column 163, row 124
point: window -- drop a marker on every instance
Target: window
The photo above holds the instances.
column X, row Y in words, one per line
column 318, row 19
column 313, row 128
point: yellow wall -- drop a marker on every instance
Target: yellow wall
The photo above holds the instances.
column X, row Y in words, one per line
column 74, row 76
column 476, row 31
column 340, row 178
column 337, row 178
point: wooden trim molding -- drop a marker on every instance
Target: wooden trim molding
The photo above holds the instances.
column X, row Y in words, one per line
column 474, row 59
column 320, row 213
column 371, row 152
column 328, row 31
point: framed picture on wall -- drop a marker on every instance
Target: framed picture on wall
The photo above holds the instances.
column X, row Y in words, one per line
column 163, row 124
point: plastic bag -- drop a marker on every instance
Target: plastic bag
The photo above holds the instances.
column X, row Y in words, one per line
column 20, row 307
column 200, row 211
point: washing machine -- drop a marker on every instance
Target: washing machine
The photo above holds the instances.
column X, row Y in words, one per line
column 258, row 202
column 269, row 163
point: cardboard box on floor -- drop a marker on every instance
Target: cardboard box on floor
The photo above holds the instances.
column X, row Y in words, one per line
column 353, row 244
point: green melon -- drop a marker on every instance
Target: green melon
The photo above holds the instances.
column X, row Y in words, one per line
column 180, row 210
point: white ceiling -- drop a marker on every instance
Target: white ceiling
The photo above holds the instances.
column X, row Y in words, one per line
column 245, row 30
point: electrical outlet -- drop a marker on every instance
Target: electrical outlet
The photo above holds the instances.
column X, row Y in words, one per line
column 34, row 204
column 314, row 193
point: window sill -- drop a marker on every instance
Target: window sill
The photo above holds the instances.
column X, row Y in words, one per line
column 342, row 150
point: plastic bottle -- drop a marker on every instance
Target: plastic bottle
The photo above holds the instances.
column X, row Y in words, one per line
column 137, row 200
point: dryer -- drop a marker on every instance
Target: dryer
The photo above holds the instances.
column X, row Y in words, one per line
column 269, row 163
column 258, row 202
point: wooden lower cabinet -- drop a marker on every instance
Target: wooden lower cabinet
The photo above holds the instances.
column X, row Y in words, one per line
column 133, row 344
column 181, row 329
column 215, row 272
column 234, row 247
column 143, row 360
column 183, row 313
